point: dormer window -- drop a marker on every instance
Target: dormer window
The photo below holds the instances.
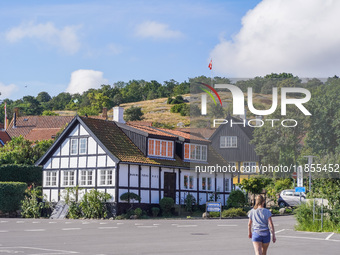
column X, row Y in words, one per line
column 195, row 152
column 160, row 148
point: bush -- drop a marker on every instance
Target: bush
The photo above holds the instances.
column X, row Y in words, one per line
column 166, row 204
column 155, row 211
column 92, row 204
column 233, row 212
column 138, row 212
column 214, row 214
column 130, row 196
column 32, row 205
column 21, row 173
column 177, row 100
column 11, row 195
column 236, row 199
column 189, row 202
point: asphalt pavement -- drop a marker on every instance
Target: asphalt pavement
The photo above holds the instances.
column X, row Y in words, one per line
column 161, row 237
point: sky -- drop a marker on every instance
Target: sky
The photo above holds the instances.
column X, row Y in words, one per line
column 70, row 46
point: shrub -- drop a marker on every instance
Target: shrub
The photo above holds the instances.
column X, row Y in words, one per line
column 21, row 173
column 74, row 211
column 166, row 204
column 32, row 205
column 236, row 199
column 92, row 204
column 214, row 214
column 155, row 211
column 177, row 100
column 189, row 202
column 138, row 212
column 130, row 196
column 11, row 195
column 233, row 212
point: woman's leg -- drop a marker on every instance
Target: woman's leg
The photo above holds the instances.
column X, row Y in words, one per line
column 265, row 248
column 258, row 248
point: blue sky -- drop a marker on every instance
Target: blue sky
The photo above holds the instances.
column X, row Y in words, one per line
column 58, row 46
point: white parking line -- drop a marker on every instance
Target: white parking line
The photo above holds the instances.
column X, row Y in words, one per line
column 186, row 226
column 34, row 230
column 3, row 221
column 68, row 222
column 20, row 222
column 3, row 231
column 106, row 227
column 279, row 231
column 36, row 222
column 71, row 229
column 102, row 223
column 327, row 238
column 147, row 226
column 52, row 222
column 309, row 238
column 138, row 224
column 226, row 225
column 120, row 223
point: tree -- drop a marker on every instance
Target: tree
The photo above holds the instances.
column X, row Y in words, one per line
column 43, row 97
column 22, row 151
column 133, row 113
column 254, row 185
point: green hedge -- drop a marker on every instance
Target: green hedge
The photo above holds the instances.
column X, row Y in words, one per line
column 11, row 195
column 21, row 173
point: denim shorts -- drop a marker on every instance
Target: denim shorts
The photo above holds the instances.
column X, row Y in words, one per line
column 261, row 236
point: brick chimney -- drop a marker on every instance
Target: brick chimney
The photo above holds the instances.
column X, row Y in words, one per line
column 118, row 113
column 104, row 113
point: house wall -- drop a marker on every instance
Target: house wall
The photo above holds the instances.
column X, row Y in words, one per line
column 95, row 159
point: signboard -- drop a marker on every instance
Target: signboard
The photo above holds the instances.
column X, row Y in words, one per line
column 299, row 176
column 300, row 189
column 213, row 207
column 294, row 175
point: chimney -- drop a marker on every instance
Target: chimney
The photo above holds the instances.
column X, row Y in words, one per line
column 104, row 114
column 118, row 113
column 16, row 110
column 14, row 120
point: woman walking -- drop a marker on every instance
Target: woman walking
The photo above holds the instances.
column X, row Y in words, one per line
column 261, row 221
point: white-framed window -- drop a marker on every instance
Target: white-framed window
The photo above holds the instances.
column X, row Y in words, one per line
column 228, row 142
column 227, row 184
column 82, row 145
column 105, row 177
column 188, row 182
column 68, row 178
column 50, row 178
column 160, row 148
column 195, row 152
column 86, row 177
column 78, row 146
column 206, row 183
column 74, row 146
column 249, row 167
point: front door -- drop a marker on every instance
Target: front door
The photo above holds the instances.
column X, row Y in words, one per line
column 170, row 185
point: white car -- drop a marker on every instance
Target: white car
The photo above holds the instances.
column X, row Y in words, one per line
column 289, row 197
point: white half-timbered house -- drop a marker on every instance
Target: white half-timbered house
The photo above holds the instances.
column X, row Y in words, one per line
column 115, row 158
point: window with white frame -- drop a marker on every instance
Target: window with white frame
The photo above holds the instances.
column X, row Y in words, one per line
column 249, row 167
column 227, row 185
column 233, row 166
column 206, row 183
column 68, row 178
column 78, row 145
column 195, row 152
column 50, row 178
column 188, row 182
column 86, row 177
column 228, row 142
column 160, row 148
column 74, row 146
column 82, row 145
column 105, row 177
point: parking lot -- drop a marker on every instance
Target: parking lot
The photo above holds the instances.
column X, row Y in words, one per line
column 214, row 236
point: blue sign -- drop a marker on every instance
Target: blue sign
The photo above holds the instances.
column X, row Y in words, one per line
column 213, row 207
column 300, row 189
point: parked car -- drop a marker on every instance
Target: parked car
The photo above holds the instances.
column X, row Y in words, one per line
column 289, row 197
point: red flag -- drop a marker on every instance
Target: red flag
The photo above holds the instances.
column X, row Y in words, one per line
column 210, row 65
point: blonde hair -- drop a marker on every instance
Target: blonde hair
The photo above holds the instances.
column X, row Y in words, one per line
column 259, row 201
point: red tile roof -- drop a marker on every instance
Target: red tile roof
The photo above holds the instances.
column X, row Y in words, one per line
column 185, row 135
column 152, row 130
column 42, row 134
column 25, row 124
column 4, row 137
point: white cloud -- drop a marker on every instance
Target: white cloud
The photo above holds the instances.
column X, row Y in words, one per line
column 82, row 80
column 294, row 36
column 7, row 90
column 115, row 49
column 66, row 38
column 155, row 30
